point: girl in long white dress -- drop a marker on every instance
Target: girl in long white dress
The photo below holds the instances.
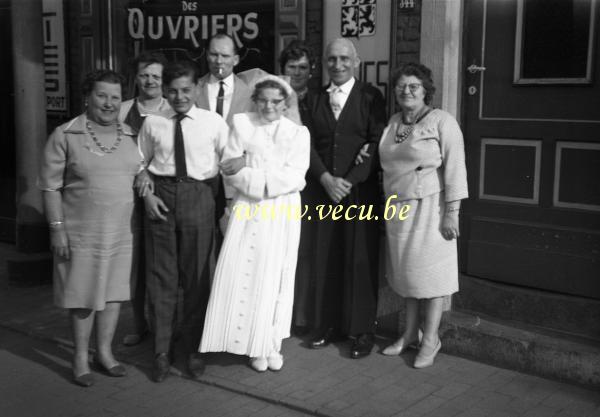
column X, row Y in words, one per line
column 250, row 307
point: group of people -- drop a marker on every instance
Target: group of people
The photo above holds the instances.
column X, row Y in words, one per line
column 142, row 198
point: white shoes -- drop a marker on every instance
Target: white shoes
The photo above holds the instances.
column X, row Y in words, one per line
column 274, row 362
column 399, row 347
column 259, row 364
column 426, row 355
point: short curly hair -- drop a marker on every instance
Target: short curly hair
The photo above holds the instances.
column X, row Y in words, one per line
column 295, row 50
column 420, row 71
column 107, row 76
column 148, row 58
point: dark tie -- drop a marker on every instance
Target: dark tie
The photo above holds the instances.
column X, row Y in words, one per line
column 220, row 98
column 180, row 165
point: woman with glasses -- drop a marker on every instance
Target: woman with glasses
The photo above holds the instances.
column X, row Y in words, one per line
column 250, row 307
column 423, row 161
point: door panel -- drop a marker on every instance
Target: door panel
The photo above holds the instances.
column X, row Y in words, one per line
column 533, row 154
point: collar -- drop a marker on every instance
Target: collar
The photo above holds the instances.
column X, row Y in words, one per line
column 344, row 88
column 77, row 125
column 228, row 81
column 163, row 106
column 192, row 113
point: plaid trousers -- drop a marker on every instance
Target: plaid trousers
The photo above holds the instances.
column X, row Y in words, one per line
column 178, row 254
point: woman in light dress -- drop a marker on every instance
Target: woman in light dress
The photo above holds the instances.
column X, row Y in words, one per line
column 250, row 307
column 87, row 176
column 423, row 161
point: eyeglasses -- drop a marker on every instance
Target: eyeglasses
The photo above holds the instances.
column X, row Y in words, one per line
column 414, row 87
column 264, row 101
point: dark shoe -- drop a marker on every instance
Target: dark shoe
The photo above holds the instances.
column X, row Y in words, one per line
column 362, row 346
column 115, row 371
column 324, row 339
column 196, row 365
column 85, row 380
column 161, row 367
column 134, row 339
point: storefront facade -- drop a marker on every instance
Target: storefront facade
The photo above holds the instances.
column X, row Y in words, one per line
column 530, row 243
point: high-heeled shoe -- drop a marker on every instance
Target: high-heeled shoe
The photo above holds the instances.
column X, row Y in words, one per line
column 399, row 347
column 116, row 371
column 426, row 355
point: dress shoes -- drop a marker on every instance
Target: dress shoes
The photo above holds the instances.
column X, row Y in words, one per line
column 114, row 371
column 161, row 367
column 275, row 361
column 259, row 364
column 324, row 339
column 85, row 380
column 426, row 355
column 400, row 346
column 362, row 346
column 196, row 365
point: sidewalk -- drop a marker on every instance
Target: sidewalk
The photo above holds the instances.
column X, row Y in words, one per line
column 327, row 382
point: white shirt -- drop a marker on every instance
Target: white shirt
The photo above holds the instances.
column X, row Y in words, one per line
column 343, row 91
column 213, row 91
column 204, row 137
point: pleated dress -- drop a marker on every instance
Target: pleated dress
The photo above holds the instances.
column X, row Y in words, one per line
column 250, row 307
column 97, row 201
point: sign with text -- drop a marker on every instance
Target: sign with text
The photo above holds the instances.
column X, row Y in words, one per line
column 181, row 29
column 54, row 56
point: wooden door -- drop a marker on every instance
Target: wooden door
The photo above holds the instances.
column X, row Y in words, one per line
column 532, row 130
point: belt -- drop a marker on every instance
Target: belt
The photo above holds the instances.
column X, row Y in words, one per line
column 211, row 182
column 161, row 178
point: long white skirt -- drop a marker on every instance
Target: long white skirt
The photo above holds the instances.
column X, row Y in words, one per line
column 250, row 306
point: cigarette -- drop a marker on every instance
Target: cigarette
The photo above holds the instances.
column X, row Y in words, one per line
column 220, row 71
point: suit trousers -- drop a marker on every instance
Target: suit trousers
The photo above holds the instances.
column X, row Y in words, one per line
column 347, row 257
column 178, row 254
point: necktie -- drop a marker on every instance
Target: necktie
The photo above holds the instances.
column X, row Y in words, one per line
column 220, row 98
column 180, row 165
column 335, row 101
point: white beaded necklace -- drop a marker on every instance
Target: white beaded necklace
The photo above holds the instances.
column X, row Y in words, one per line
column 102, row 147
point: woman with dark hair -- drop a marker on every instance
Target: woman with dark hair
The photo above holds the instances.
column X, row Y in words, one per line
column 250, row 307
column 423, row 161
column 87, row 176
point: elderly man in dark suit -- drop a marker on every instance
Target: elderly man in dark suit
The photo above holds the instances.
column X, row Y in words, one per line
column 346, row 116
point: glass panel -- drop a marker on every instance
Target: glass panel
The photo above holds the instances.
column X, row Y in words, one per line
column 553, row 38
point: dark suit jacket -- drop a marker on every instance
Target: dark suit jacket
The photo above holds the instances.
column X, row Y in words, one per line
column 335, row 144
column 347, row 252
